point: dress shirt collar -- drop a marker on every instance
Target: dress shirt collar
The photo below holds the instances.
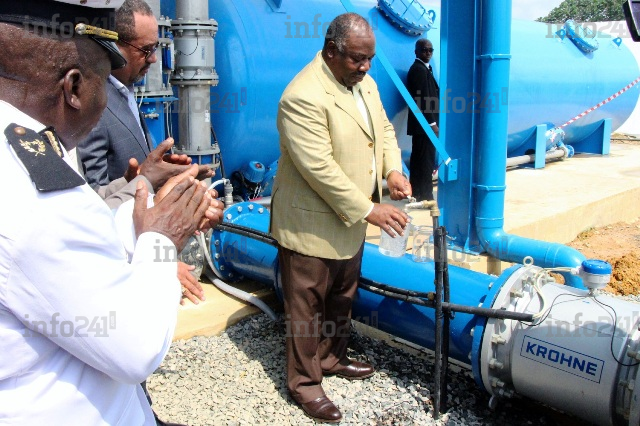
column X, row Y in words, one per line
column 124, row 90
column 14, row 115
column 344, row 89
column 20, row 118
column 426, row 64
column 128, row 95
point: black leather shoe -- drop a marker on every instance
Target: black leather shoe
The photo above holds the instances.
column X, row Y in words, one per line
column 322, row 410
column 355, row 370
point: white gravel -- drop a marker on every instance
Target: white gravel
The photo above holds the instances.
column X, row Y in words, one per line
column 238, row 378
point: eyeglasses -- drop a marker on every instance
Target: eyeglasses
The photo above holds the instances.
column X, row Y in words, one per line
column 429, row 50
column 148, row 51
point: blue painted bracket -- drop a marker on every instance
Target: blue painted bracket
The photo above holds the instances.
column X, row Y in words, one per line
column 541, row 146
column 599, row 142
column 539, row 139
column 275, row 5
column 452, row 171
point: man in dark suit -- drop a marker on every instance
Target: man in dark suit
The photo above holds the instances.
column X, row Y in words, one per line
column 425, row 91
column 122, row 133
column 121, row 141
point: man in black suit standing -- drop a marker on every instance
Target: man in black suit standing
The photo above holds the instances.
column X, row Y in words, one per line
column 425, row 91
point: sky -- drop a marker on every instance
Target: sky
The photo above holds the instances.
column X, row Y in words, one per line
column 532, row 9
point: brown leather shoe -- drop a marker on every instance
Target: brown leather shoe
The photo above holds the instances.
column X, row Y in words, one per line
column 322, row 410
column 355, row 370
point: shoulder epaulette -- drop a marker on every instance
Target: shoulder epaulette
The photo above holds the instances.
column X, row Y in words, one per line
column 42, row 157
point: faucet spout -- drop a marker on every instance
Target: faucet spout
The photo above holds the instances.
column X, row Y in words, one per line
column 431, row 205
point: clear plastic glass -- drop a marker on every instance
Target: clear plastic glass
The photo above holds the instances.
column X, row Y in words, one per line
column 394, row 247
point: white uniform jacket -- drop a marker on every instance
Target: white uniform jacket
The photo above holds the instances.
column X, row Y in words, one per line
column 80, row 327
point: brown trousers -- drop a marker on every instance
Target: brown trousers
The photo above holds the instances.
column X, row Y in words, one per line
column 318, row 294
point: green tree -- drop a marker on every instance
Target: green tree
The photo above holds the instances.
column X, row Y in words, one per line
column 586, row 11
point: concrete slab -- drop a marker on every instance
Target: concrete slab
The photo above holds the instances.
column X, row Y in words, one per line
column 567, row 197
column 552, row 204
column 220, row 310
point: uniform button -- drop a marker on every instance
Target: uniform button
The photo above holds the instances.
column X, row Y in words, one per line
column 371, row 198
column 370, row 172
column 20, row 131
column 370, row 144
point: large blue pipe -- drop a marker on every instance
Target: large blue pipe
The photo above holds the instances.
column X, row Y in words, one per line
column 417, row 323
column 238, row 257
column 243, row 256
column 494, row 57
column 506, row 357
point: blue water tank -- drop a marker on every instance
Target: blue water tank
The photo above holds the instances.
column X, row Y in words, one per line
column 262, row 44
column 553, row 81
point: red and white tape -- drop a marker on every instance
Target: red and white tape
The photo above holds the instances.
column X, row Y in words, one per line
column 609, row 99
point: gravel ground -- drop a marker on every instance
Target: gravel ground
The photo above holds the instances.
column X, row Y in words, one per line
column 238, row 378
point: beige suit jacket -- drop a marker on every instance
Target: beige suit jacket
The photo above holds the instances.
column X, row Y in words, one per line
column 322, row 190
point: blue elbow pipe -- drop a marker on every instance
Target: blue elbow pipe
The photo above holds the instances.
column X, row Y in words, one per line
column 491, row 161
column 512, row 248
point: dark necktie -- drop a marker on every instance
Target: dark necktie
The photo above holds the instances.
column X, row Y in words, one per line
column 431, row 75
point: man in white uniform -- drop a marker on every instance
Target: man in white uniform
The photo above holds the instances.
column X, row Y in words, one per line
column 80, row 327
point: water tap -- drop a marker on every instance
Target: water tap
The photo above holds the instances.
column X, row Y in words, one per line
column 432, row 205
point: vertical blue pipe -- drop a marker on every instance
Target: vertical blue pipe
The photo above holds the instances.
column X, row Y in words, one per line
column 494, row 29
column 457, row 81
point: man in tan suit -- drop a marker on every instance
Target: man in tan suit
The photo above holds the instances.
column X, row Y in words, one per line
column 336, row 147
